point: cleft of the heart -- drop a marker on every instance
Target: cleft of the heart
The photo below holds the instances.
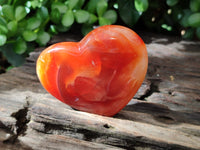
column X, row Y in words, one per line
column 100, row 74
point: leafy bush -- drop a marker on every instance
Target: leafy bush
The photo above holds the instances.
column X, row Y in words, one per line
column 174, row 16
column 27, row 24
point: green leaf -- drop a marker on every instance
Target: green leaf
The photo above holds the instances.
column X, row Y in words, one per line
column 127, row 12
column 35, row 4
column 115, row 5
column 33, row 23
column 80, row 4
column 104, row 21
column 28, row 4
column 81, row 16
column 55, row 16
column 12, row 26
column 29, row 35
column 195, row 5
column 91, row 6
column 3, row 21
column 166, row 27
column 53, row 29
column 20, row 13
column 92, row 19
column 42, row 38
column 8, row 12
column 13, row 58
column 3, row 39
column 60, row 6
column 68, row 19
column 42, row 13
column 20, row 46
column 72, row 3
column 141, row 5
column 184, row 20
column 111, row 15
column 102, row 5
column 172, row 2
column 3, row 29
column 194, row 20
column 2, row 2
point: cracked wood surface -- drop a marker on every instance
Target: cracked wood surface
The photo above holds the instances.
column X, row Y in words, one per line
column 164, row 114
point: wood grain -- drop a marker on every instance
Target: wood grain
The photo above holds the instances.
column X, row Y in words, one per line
column 164, row 114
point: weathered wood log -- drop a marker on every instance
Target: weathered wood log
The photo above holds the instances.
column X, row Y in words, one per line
column 164, row 114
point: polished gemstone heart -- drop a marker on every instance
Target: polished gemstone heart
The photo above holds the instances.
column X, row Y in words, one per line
column 100, row 74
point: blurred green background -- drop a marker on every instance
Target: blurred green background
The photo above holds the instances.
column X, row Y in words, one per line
column 25, row 25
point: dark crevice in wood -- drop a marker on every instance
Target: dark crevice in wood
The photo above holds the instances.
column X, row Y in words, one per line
column 89, row 135
column 22, row 120
column 107, row 126
column 170, row 92
column 95, row 136
column 138, row 142
column 116, row 140
column 72, row 131
column 153, row 88
column 21, row 124
column 50, row 128
column 152, row 69
column 165, row 119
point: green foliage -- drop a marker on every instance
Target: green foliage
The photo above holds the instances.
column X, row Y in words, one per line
column 111, row 16
column 195, row 5
column 29, row 35
column 2, row 39
column 20, row 13
column 20, row 46
column 81, row 16
column 42, row 38
column 141, row 5
column 27, row 24
column 194, row 20
column 172, row 2
column 101, row 7
column 68, row 18
column 8, row 12
column 128, row 12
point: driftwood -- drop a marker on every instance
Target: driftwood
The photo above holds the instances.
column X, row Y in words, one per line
column 164, row 114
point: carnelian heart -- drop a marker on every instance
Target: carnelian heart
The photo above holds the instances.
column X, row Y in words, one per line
column 100, row 74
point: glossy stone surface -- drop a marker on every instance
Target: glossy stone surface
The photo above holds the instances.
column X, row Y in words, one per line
column 100, row 74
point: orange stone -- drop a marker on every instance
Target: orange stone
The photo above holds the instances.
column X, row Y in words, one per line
column 100, row 74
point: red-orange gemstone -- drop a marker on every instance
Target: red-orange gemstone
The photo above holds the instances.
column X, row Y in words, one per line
column 100, row 74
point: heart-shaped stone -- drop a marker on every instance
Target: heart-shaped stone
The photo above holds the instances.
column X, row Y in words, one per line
column 100, row 74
